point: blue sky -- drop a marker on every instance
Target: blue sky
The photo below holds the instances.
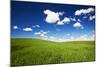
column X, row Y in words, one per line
column 56, row 22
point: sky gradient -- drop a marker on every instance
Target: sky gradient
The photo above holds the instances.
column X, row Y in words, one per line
column 55, row 22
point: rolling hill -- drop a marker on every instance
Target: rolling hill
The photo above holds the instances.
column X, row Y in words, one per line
column 27, row 51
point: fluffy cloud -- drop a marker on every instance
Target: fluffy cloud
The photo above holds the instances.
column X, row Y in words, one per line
column 78, row 25
column 37, row 33
column 27, row 29
column 91, row 18
column 84, row 11
column 52, row 17
column 60, row 23
column 72, row 19
column 41, row 33
column 65, row 20
column 15, row 27
column 61, row 13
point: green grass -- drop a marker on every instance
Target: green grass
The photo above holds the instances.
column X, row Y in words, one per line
column 36, row 52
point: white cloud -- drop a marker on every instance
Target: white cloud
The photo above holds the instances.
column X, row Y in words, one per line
column 27, row 29
column 15, row 27
column 65, row 20
column 41, row 33
column 60, row 23
column 73, row 19
column 52, row 17
column 44, row 32
column 84, row 11
column 61, row 13
column 92, row 18
column 37, row 33
column 79, row 20
column 36, row 26
column 78, row 25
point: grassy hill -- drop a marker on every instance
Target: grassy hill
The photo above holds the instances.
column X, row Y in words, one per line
column 36, row 52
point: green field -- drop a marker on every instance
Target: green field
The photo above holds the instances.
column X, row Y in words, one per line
column 36, row 52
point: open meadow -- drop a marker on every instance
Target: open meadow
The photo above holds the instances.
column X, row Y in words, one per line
column 25, row 51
